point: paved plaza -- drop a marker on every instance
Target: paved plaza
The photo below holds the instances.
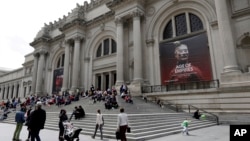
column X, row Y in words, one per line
column 214, row 133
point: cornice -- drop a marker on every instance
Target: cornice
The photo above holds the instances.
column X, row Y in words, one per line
column 94, row 4
column 43, row 39
column 240, row 13
column 100, row 19
column 117, row 4
column 78, row 23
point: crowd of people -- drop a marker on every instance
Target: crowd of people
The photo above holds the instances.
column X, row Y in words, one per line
column 33, row 116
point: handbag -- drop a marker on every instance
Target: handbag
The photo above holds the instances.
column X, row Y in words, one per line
column 118, row 135
column 128, row 129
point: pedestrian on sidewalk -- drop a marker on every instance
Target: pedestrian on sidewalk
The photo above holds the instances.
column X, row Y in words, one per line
column 37, row 121
column 27, row 122
column 62, row 118
column 185, row 124
column 99, row 123
column 122, row 124
column 19, row 119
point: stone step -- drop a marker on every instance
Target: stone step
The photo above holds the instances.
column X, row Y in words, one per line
column 147, row 120
column 143, row 126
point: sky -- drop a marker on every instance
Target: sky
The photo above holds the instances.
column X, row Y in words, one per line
column 20, row 22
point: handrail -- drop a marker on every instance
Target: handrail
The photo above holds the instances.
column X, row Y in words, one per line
column 177, row 109
column 193, row 85
column 216, row 117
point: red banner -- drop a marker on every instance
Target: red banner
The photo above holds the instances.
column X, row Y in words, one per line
column 185, row 60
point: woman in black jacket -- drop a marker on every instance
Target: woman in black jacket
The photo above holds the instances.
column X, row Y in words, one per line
column 62, row 117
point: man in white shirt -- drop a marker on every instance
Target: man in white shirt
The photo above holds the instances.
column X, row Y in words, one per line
column 99, row 123
column 122, row 124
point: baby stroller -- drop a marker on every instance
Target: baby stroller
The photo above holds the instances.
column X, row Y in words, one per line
column 69, row 133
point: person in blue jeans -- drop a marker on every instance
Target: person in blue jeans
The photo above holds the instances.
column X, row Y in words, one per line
column 19, row 119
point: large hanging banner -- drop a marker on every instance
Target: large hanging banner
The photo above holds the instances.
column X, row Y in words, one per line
column 185, row 60
column 57, row 80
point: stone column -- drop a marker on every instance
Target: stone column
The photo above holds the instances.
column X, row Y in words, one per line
column 76, row 63
column 66, row 67
column 15, row 89
column 6, row 92
column 41, row 64
column 19, row 89
column 226, row 36
column 137, row 47
column 150, row 45
column 110, row 80
column 120, row 52
column 2, row 94
column 10, row 91
column 34, row 73
column 102, row 81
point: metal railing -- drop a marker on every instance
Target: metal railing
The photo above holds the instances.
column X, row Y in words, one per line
column 194, row 85
column 185, row 107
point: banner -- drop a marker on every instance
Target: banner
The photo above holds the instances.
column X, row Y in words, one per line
column 185, row 60
column 57, row 80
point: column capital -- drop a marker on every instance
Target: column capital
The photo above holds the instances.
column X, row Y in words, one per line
column 36, row 54
column 78, row 38
column 119, row 20
column 137, row 13
column 43, row 52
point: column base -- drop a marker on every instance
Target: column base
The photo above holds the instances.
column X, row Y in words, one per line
column 231, row 69
column 119, row 83
column 40, row 94
column 137, row 81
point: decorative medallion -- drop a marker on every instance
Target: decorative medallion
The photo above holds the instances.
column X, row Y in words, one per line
column 150, row 11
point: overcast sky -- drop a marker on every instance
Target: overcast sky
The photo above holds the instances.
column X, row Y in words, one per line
column 20, row 22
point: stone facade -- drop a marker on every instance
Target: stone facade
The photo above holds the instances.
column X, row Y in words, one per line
column 111, row 42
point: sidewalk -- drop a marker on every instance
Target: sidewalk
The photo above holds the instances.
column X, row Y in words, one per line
column 7, row 130
column 214, row 133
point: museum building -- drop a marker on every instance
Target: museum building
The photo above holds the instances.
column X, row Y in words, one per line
column 108, row 43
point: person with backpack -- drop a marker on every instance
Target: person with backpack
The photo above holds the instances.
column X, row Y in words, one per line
column 19, row 119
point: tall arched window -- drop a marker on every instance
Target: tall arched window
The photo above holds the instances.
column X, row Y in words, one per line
column 60, row 61
column 184, row 23
column 106, row 47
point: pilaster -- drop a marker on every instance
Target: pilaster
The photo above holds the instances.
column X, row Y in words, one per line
column 34, row 73
column 66, row 67
column 226, row 35
column 120, row 51
column 41, row 64
column 150, row 45
column 137, row 46
column 76, row 62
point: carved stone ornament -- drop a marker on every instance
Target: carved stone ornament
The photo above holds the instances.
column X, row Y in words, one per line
column 244, row 41
column 150, row 11
column 118, row 21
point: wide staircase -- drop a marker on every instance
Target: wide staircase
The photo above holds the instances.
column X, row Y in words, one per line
column 147, row 120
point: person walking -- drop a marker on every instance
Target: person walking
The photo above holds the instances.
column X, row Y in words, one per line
column 28, row 122
column 19, row 119
column 122, row 124
column 37, row 121
column 99, row 123
column 62, row 118
column 185, row 124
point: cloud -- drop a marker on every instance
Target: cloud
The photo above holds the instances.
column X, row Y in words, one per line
column 20, row 22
